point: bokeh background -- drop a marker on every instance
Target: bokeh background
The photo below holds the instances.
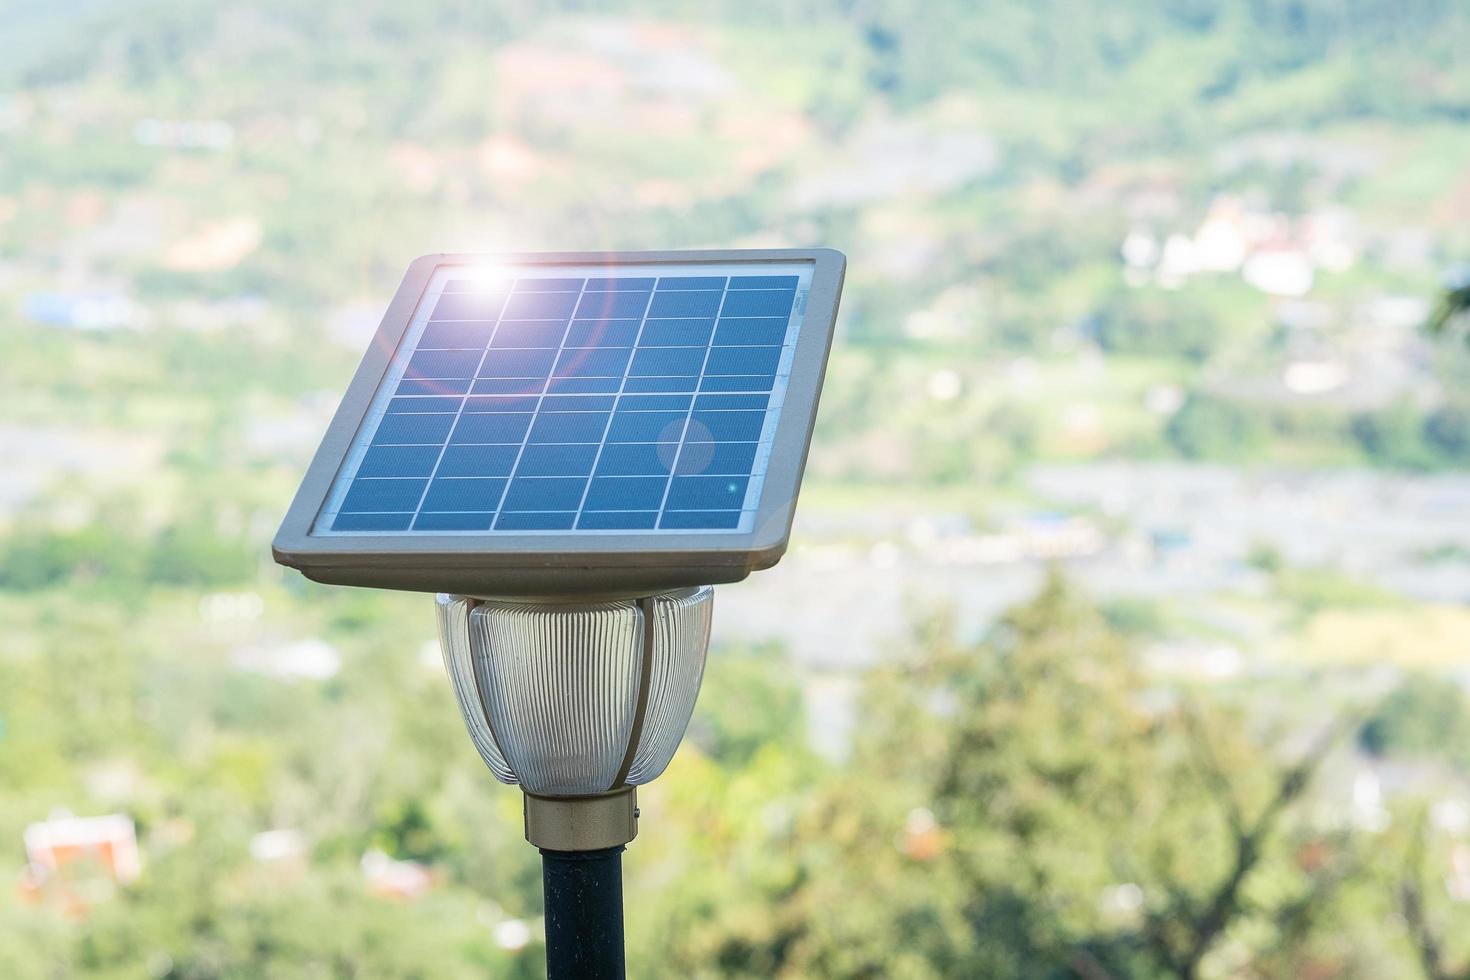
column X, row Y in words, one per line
column 1126, row 630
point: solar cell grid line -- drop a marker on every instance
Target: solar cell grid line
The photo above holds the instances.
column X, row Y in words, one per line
column 730, row 411
column 562, row 466
column 774, row 401
column 498, row 515
column 484, row 355
column 663, row 507
column 602, row 443
column 457, row 303
column 461, row 327
column 604, row 368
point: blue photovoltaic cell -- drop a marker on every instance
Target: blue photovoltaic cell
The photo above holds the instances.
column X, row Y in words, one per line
column 399, row 461
column 562, row 403
column 602, row 333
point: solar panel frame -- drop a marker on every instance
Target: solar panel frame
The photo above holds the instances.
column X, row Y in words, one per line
column 574, row 563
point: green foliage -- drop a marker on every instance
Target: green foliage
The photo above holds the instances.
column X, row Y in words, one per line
column 1266, row 557
column 196, row 554
column 325, row 926
column 34, row 558
column 1213, row 428
column 966, row 444
column 1023, row 781
column 1394, row 436
column 114, row 558
column 1404, row 437
column 1447, row 432
column 749, row 699
column 1309, row 591
column 406, row 831
column 1454, row 305
column 1160, row 323
column 1423, row 715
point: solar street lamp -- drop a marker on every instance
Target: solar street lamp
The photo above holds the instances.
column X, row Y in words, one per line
column 570, row 450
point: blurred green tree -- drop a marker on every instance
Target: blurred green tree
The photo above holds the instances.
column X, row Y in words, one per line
column 1424, row 714
column 1394, row 436
column 1213, row 428
column 1454, row 304
column 1032, row 807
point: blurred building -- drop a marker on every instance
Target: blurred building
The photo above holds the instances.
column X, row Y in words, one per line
column 387, row 877
column 78, row 861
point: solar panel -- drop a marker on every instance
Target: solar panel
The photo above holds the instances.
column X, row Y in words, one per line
column 587, row 399
column 580, row 399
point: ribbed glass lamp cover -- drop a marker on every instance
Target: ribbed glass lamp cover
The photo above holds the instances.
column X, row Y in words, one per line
column 454, row 643
column 554, row 694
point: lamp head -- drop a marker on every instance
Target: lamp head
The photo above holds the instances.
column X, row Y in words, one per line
column 588, row 441
column 577, row 702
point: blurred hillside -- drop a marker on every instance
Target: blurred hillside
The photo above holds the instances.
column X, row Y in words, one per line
column 1134, row 291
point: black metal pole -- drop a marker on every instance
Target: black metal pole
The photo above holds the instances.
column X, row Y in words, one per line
column 584, row 914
